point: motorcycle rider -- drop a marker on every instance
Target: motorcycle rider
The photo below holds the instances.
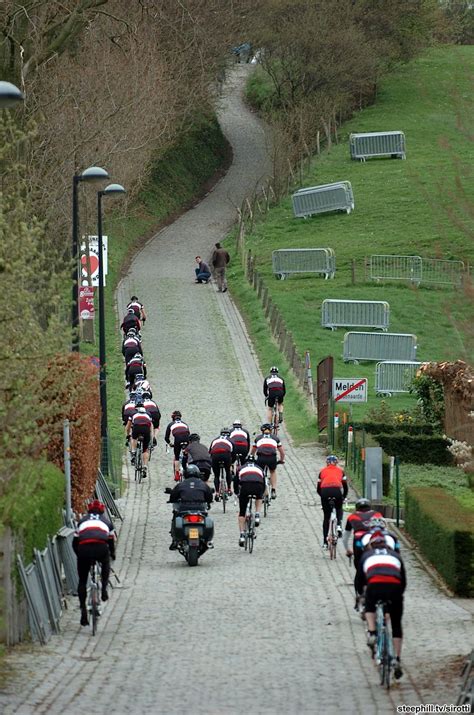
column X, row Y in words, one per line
column 192, row 492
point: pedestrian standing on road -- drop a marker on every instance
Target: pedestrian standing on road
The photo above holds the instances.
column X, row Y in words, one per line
column 220, row 259
column 202, row 270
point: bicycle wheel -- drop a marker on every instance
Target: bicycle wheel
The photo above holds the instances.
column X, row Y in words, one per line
column 275, row 420
column 138, row 463
column 332, row 537
column 266, row 496
column 94, row 607
column 223, row 488
column 251, row 532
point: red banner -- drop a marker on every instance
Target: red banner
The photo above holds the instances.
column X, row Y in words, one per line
column 86, row 302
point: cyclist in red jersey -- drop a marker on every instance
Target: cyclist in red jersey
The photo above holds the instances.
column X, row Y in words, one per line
column 332, row 483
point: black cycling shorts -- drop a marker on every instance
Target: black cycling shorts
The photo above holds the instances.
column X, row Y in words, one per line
column 246, row 490
column 391, row 593
column 266, row 460
column 145, row 433
column 178, row 446
column 272, row 399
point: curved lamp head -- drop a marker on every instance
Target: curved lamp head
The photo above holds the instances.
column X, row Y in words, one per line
column 113, row 189
column 94, row 175
column 10, row 95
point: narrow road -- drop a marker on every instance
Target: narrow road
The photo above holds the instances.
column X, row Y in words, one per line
column 269, row 633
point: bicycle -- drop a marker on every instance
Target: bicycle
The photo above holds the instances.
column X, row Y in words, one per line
column 93, row 605
column 267, row 493
column 223, row 491
column 275, row 420
column 384, row 652
column 250, row 533
column 332, row 531
column 139, row 461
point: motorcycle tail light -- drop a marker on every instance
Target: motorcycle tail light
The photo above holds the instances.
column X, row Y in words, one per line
column 193, row 519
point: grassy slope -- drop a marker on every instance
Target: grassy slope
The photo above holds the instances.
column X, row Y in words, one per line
column 176, row 179
column 401, row 207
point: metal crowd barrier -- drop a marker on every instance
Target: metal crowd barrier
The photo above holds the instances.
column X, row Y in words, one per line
column 466, row 695
column 379, row 346
column 322, row 199
column 68, row 558
column 394, row 376
column 103, row 493
column 355, row 313
column 363, row 146
column 40, row 625
column 416, row 269
column 286, row 261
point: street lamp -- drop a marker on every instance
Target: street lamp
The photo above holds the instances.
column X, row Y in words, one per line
column 109, row 190
column 92, row 175
column 10, row 95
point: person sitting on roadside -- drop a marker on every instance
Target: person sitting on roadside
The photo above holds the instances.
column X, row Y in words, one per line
column 274, row 390
column 196, row 453
column 266, row 449
column 332, row 484
column 131, row 346
column 240, row 439
column 382, row 572
column 130, row 321
column 202, row 271
column 140, row 425
column 221, row 454
column 137, row 307
column 93, row 540
column 189, row 493
column 178, row 431
column 357, row 523
column 249, row 481
column 135, row 366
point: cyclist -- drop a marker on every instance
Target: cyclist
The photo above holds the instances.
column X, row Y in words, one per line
column 331, row 481
column 190, row 492
column 128, row 410
column 265, row 449
column 196, row 453
column 240, row 439
column 130, row 321
column 135, row 366
column 358, row 523
column 141, row 425
column 221, row 453
column 274, row 390
column 131, row 345
column 94, row 540
column 153, row 410
column 249, row 481
column 382, row 571
column 137, row 307
column 141, row 385
column 179, row 432
column 378, row 525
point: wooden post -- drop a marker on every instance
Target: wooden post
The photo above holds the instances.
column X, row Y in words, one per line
column 353, row 271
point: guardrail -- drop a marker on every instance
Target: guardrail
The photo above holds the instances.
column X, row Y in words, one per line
column 323, row 199
column 289, row 261
column 379, row 346
column 371, row 144
column 394, row 376
column 416, row 269
column 337, row 313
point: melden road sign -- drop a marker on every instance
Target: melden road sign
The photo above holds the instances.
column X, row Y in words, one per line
column 349, row 389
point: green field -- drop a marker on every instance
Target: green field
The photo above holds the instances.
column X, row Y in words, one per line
column 422, row 206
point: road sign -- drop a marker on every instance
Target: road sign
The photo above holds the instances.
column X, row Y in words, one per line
column 349, row 389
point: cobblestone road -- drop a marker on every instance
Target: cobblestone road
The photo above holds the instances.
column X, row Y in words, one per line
column 272, row 632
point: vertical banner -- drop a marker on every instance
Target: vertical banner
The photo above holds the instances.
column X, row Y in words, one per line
column 86, row 303
column 91, row 268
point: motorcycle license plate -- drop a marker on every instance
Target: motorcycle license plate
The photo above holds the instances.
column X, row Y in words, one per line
column 194, row 533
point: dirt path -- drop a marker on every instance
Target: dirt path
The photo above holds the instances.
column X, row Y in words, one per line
column 269, row 633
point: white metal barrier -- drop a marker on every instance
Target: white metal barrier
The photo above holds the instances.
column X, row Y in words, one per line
column 364, row 145
column 395, row 376
column 322, row 199
column 355, row 313
column 286, row 261
column 415, row 269
column 379, row 346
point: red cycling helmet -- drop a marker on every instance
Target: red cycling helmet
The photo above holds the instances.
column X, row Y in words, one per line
column 96, row 505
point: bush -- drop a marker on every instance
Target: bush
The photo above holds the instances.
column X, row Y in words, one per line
column 416, row 449
column 408, row 428
column 444, row 531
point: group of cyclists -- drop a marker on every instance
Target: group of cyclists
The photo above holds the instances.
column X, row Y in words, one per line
column 379, row 569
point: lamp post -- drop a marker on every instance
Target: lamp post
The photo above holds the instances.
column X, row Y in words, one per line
column 92, row 175
column 10, row 95
column 109, row 190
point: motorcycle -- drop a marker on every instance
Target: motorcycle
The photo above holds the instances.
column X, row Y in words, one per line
column 193, row 530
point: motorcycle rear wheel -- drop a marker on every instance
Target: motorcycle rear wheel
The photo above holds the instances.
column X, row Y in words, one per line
column 193, row 555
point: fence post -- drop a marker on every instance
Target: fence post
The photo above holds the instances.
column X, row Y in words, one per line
column 397, row 488
column 67, row 471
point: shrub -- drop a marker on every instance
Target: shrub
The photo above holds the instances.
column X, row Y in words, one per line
column 417, row 449
column 444, row 531
column 406, row 427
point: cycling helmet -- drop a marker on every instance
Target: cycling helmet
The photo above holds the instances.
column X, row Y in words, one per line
column 274, row 370
column 266, row 426
column 236, row 423
column 331, row 459
column 146, row 394
column 139, row 377
column 139, row 402
column 134, row 297
column 362, row 505
column 138, row 356
column 96, row 506
column 225, row 431
column 131, row 333
column 176, row 415
column 194, row 437
column 377, row 522
column 192, row 470
column 131, row 311
column 377, row 539
column 250, row 458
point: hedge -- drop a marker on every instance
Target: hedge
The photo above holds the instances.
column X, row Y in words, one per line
column 419, row 449
column 444, row 531
column 414, row 428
